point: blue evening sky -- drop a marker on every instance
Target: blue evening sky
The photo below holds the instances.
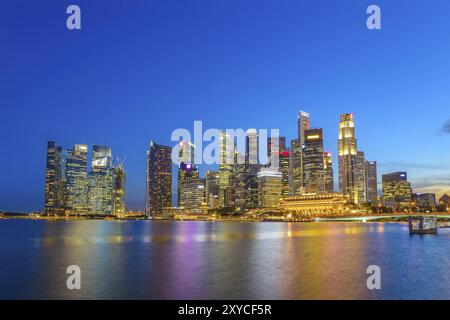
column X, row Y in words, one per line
column 140, row 69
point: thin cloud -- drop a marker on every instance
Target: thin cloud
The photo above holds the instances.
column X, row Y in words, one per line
column 413, row 165
column 446, row 128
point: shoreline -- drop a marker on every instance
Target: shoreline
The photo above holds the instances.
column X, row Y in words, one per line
column 346, row 219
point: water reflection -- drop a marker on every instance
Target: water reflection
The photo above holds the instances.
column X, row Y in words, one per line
column 214, row 260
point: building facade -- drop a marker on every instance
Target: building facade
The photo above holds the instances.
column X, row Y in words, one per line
column 159, row 179
column 54, row 181
column 424, row 201
column 100, row 182
column 316, row 205
column 269, row 188
column 351, row 163
column 328, row 171
column 397, row 192
column 119, row 179
column 76, row 181
column 212, row 189
column 371, row 182
column 313, row 162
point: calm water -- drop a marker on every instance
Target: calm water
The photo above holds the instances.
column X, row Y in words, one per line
column 220, row 260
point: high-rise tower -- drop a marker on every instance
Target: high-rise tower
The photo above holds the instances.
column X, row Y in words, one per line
column 76, row 180
column 313, row 162
column 159, row 179
column 371, row 182
column 100, row 184
column 328, row 171
column 54, row 182
column 347, row 157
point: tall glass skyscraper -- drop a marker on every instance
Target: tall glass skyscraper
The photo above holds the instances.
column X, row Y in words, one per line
column 100, row 182
column 371, row 182
column 297, row 166
column 313, row 162
column 54, row 181
column 226, row 171
column 76, row 180
column 295, row 176
column 349, row 175
column 360, row 177
column 119, row 179
column 328, row 171
column 159, row 179
column 212, row 189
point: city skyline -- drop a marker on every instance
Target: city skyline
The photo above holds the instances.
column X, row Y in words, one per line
column 73, row 188
column 393, row 83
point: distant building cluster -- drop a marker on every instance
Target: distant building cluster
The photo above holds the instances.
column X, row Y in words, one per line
column 301, row 184
column 71, row 190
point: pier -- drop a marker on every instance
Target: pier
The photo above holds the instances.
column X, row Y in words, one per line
column 422, row 225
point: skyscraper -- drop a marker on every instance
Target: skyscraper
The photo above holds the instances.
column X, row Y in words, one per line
column 54, row 182
column 212, row 189
column 192, row 193
column 371, row 182
column 397, row 192
column 119, row 179
column 241, row 182
column 187, row 173
column 347, row 157
column 269, row 188
column 76, row 180
column 295, row 175
column 303, row 124
column 226, row 178
column 328, row 171
column 313, row 162
column 100, row 184
column 252, row 166
column 360, row 178
column 159, row 179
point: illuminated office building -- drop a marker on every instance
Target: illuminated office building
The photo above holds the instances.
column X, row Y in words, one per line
column 295, row 176
column 100, row 189
column 119, row 179
column 280, row 156
column 252, row 166
column 371, row 182
column 212, row 189
column 241, row 183
column 159, row 179
column 424, row 201
column 349, row 161
column 328, row 172
column 192, row 189
column 360, row 178
column 313, row 162
column 303, row 124
column 226, row 175
column 397, row 192
column 54, row 180
column 186, row 172
column 445, row 201
column 269, row 188
column 76, row 180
